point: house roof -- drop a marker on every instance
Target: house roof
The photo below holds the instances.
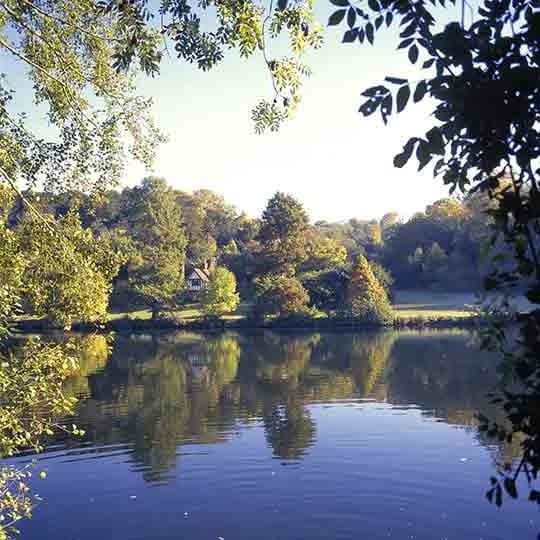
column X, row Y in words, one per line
column 201, row 274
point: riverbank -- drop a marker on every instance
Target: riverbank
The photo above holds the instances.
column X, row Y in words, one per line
column 130, row 324
column 412, row 309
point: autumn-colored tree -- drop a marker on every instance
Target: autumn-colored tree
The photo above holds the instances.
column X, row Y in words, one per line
column 220, row 296
column 280, row 295
column 365, row 297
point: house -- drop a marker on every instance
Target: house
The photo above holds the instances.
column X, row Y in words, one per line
column 197, row 280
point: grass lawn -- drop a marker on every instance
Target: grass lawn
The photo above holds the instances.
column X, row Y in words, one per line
column 412, row 304
column 407, row 305
column 189, row 312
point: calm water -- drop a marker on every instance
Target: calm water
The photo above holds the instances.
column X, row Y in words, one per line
column 278, row 436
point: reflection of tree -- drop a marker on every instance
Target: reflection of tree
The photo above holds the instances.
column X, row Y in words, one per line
column 370, row 354
column 450, row 379
column 93, row 354
column 281, row 359
column 159, row 393
column 290, row 430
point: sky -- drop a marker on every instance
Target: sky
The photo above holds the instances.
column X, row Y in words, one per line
column 338, row 163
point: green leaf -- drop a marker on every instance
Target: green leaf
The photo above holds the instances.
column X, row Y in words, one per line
column 336, row 17
column 423, row 154
column 401, row 159
column 403, row 97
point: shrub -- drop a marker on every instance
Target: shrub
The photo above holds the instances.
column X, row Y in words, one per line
column 280, row 295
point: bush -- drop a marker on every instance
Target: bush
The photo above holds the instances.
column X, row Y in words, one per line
column 280, row 295
column 366, row 299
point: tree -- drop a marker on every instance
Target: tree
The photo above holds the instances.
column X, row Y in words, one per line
column 280, row 295
column 282, row 235
column 154, row 222
column 322, row 252
column 220, row 296
column 383, row 276
column 365, row 297
column 11, row 265
column 68, row 272
column 326, row 289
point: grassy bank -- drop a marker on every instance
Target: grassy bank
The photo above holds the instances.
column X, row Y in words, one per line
column 412, row 309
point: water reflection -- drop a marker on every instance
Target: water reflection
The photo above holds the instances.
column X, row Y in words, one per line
column 155, row 394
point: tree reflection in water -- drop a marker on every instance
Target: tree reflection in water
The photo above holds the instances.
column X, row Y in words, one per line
column 159, row 393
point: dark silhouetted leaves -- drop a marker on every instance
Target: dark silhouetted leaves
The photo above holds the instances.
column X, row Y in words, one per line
column 420, row 92
column 351, row 17
column 350, row 35
column 369, row 32
column 510, row 487
column 402, row 97
column 413, row 53
column 337, row 17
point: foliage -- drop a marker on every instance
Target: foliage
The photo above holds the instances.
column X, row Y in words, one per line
column 63, row 277
column 280, row 295
column 66, row 49
column 323, row 253
column 326, row 288
column 383, row 276
column 282, row 234
column 154, row 222
column 11, row 273
column 68, row 272
column 31, row 399
column 366, row 299
column 220, row 295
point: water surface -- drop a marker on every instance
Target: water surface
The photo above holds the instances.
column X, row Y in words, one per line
column 278, row 436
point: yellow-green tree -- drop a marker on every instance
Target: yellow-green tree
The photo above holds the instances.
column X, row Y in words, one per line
column 68, row 272
column 220, row 296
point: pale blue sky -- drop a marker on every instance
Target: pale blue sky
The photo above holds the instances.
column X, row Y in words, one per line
column 338, row 163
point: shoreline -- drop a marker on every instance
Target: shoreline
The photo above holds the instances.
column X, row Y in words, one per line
column 131, row 325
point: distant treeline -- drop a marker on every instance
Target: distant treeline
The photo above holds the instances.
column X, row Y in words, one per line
column 158, row 232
